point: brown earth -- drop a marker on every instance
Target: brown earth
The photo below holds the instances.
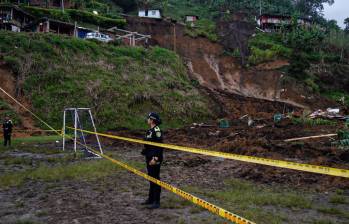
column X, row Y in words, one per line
column 208, row 63
column 263, row 139
column 116, row 198
column 8, row 83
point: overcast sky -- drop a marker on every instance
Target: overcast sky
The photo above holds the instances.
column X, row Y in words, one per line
column 338, row 11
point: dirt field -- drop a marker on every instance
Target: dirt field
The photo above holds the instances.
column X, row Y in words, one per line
column 55, row 187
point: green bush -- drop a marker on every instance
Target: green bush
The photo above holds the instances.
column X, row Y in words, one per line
column 120, row 84
column 337, row 96
column 267, row 47
column 203, row 28
column 312, row 85
column 72, row 15
column 313, row 122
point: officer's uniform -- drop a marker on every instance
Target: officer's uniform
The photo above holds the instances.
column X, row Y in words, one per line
column 153, row 135
column 7, row 128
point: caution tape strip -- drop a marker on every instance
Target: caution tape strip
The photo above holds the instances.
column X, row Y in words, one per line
column 250, row 159
column 196, row 200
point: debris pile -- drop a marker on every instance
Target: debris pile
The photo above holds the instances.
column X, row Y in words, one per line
column 330, row 113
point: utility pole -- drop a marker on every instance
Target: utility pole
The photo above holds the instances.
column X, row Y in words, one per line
column 62, row 5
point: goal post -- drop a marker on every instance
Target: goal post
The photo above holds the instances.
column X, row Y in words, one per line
column 77, row 122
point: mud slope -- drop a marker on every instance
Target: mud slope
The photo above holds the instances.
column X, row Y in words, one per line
column 8, row 83
column 214, row 69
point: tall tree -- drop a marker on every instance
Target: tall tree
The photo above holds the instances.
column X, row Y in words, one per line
column 346, row 22
column 311, row 7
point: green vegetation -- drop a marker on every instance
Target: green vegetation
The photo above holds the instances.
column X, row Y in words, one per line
column 72, row 15
column 90, row 170
column 306, row 49
column 249, row 200
column 32, row 139
column 338, row 95
column 107, row 8
column 120, row 84
column 212, row 9
column 267, row 47
column 6, row 110
column 202, row 28
column 254, row 202
column 313, row 122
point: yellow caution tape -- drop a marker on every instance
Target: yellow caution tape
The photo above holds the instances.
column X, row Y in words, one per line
column 198, row 201
column 204, row 204
column 251, row 159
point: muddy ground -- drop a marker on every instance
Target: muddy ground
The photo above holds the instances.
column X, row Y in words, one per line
column 290, row 196
column 266, row 139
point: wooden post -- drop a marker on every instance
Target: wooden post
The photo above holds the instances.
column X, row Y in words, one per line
column 174, row 37
column 75, row 29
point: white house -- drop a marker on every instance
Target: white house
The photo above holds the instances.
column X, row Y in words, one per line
column 151, row 13
column 191, row 18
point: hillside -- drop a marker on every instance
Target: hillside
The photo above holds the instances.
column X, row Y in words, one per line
column 121, row 84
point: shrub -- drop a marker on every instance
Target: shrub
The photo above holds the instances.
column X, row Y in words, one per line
column 267, row 47
column 72, row 15
column 203, row 28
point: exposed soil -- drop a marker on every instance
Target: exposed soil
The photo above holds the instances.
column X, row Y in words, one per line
column 264, row 139
column 209, row 63
column 117, row 198
column 7, row 81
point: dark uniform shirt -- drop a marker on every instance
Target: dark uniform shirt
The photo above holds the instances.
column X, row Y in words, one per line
column 149, row 151
column 7, row 126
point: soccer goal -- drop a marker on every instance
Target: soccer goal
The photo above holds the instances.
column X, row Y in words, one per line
column 75, row 120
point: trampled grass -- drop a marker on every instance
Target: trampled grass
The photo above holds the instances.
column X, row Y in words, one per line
column 84, row 170
column 31, row 140
column 259, row 202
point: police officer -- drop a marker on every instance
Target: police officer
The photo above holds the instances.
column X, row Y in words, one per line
column 7, row 128
column 153, row 157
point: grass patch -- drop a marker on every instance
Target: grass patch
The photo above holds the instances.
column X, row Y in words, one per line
column 121, row 84
column 90, row 170
column 334, row 211
column 267, row 47
column 339, row 96
column 249, row 200
column 323, row 221
column 313, row 122
column 203, row 28
column 338, row 199
column 26, row 222
column 175, row 202
column 30, row 140
column 17, row 161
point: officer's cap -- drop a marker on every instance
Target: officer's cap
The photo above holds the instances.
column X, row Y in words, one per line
column 155, row 117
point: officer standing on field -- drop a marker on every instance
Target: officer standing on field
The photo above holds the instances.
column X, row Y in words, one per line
column 7, row 129
column 153, row 157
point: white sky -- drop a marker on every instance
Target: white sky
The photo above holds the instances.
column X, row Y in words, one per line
column 338, row 11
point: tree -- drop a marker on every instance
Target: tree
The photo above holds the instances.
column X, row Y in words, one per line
column 346, row 22
column 146, row 4
column 303, row 41
column 311, row 7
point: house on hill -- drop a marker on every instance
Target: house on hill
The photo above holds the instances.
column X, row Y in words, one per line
column 191, row 18
column 272, row 23
column 46, row 25
column 150, row 13
column 14, row 18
